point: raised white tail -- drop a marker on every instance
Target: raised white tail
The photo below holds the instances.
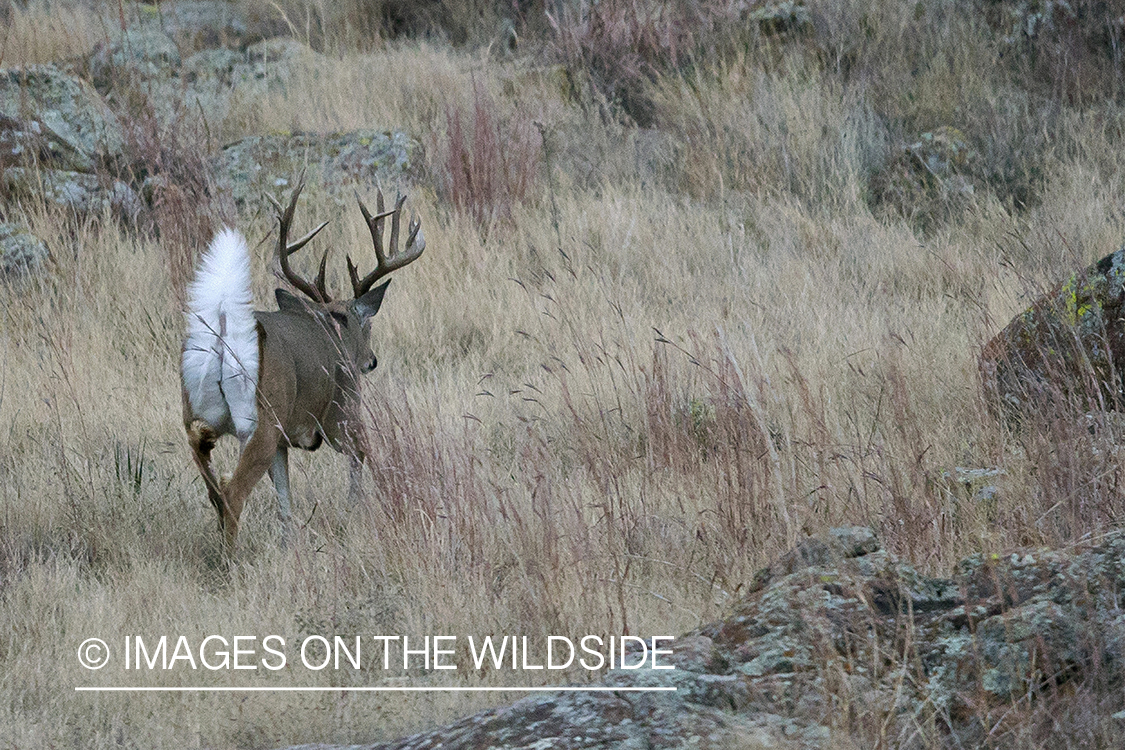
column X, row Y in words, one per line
column 220, row 360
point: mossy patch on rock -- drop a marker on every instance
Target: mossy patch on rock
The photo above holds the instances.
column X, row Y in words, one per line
column 1066, row 351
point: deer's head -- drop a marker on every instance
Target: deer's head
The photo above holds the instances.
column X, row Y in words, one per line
column 348, row 321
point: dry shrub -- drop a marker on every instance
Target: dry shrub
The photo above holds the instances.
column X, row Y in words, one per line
column 169, row 162
column 738, row 128
column 621, row 46
column 364, row 24
column 488, row 164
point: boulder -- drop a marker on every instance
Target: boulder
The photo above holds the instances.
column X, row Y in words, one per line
column 31, row 142
column 213, row 24
column 212, row 66
column 140, row 53
column 21, row 252
column 775, row 17
column 929, row 178
column 839, row 638
column 335, row 162
column 209, row 81
column 1066, row 351
column 63, row 110
column 60, row 142
column 205, row 24
column 79, row 192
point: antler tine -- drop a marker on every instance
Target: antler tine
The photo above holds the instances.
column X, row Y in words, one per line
column 391, row 260
column 399, row 200
column 317, row 293
column 375, row 224
column 320, row 287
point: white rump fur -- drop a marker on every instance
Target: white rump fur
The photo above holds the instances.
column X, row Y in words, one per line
column 220, row 363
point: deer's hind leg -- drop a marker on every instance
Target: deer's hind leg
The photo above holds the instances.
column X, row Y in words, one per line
column 202, row 439
column 257, row 457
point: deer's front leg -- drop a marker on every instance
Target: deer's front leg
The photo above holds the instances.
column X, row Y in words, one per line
column 279, row 473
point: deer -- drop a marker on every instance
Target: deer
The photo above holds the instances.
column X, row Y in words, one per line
column 282, row 379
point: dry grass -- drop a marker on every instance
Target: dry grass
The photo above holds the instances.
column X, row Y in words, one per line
column 657, row 373
column 40, row 31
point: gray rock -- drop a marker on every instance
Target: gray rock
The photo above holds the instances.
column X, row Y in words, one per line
column 839, row 621
column 212, row 66
column 138, row 53
column 32, row 142
column 200, row 25
column 929, row 179
column 21, row 252
column 64, row 110
column 281, row 50
column 213, row 79
column 335, row 162
column 1065, row 353
column 79, row 192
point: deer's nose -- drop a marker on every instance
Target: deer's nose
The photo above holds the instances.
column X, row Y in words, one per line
column 369, row 365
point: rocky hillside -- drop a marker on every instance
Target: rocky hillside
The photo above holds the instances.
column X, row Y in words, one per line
column 98, row 134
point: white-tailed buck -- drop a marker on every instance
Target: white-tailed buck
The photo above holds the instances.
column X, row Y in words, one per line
column 280, row 379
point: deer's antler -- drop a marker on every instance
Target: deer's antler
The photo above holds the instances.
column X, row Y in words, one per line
column 317, row 292
column 415, row 244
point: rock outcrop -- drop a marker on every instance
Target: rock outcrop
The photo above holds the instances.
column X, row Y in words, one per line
column 840, row 641
column 61, row 142
column 58, row 118
column 337, row 162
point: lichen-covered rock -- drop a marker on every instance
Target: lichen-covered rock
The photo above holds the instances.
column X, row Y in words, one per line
column 780, row 16
column 137, row 53
column 265, row 64
column 64, row 109
column 59, row 142
column 213, row 24
column 928, row 179
column 1067, row 350
column 335, row 162
column 31, row 142
column 838, row 631
column 203, row 24
column 212, row 65
column 79, row 192
column 212, row 81
column 21, row 252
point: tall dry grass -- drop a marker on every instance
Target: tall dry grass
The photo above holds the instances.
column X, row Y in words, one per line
column 669, row 356
column 40, row 31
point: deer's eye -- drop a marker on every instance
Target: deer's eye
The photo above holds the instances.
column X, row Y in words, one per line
column 340, row 318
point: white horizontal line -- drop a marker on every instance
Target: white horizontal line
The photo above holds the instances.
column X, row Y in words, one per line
column 368, row 689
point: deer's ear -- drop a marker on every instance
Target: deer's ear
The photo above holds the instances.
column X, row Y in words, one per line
column 367, row 305
column 290, row 302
